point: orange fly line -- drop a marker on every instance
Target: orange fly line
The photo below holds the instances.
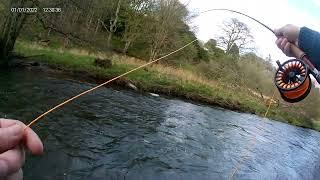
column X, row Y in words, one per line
column 105, row 83
column 135, row 69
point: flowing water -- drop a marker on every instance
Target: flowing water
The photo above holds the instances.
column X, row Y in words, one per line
column 119, row 134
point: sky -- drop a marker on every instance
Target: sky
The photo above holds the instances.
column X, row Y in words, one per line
column 274, row 13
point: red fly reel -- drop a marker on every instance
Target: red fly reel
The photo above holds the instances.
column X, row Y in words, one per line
column 293, row 81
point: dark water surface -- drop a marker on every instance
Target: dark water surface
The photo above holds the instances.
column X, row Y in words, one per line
column 119, row 134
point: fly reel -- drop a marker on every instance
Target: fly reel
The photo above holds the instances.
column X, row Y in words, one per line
column 292, row 80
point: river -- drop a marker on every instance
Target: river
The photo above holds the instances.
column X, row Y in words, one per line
column 120, row 134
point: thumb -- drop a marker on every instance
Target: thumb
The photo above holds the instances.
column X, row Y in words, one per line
column 278, row 32
column 10, row 137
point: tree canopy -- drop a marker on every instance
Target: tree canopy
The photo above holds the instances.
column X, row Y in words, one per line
column 143, row 28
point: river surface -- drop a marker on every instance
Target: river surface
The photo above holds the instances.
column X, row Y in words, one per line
column 120, row 134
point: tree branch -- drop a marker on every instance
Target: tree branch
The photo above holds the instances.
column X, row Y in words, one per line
column 66, row 34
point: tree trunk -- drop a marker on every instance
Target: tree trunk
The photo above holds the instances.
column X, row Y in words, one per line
column 10, row 31
column 96, row 29
column 113, row 25
column 109, row 40
column 126, row 47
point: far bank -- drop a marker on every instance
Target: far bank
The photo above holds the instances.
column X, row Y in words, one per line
column 168, row 80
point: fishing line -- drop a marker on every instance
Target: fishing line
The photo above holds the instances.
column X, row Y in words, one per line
column 135, row 69
column 105, row 83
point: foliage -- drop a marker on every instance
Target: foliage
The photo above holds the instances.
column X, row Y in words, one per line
column 141, row 28
column 256, row 74
column 211, row 44
column 234, row 51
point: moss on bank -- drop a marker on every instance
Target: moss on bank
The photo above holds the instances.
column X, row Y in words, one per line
column 161, row 79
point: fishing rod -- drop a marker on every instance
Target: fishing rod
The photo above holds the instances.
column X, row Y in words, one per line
column 237, row 12
column 292, row 77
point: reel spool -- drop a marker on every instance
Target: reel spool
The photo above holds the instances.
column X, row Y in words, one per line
column 293, row 81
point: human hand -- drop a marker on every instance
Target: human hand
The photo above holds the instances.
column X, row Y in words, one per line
column 287, row 35
column 13, row 142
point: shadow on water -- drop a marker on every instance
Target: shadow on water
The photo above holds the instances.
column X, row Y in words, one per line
column 118, row 134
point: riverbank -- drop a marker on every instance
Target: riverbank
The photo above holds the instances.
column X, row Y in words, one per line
column 172, row 81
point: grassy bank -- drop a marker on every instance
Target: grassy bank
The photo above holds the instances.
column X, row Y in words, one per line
column 158, row 78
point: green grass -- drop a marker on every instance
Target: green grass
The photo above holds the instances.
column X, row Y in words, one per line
column 154, row 80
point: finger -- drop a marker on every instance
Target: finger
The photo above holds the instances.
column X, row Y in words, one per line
column 7, row 122
column 278, row 42
column 33, row 142
column 16, row 176
column 278, row 32
column 283, row 31
column 11, row 161
column 31, row 139
column 10, row 137
column 287, row 49
column 283, row 43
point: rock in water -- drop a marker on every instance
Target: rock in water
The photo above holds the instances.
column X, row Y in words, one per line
column 131, row 86
column 154, row 95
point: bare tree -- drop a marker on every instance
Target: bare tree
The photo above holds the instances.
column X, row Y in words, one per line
column 72, row 24
column 135, row 22
column 113, row 23
column 235, row 32
column 167, row 18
